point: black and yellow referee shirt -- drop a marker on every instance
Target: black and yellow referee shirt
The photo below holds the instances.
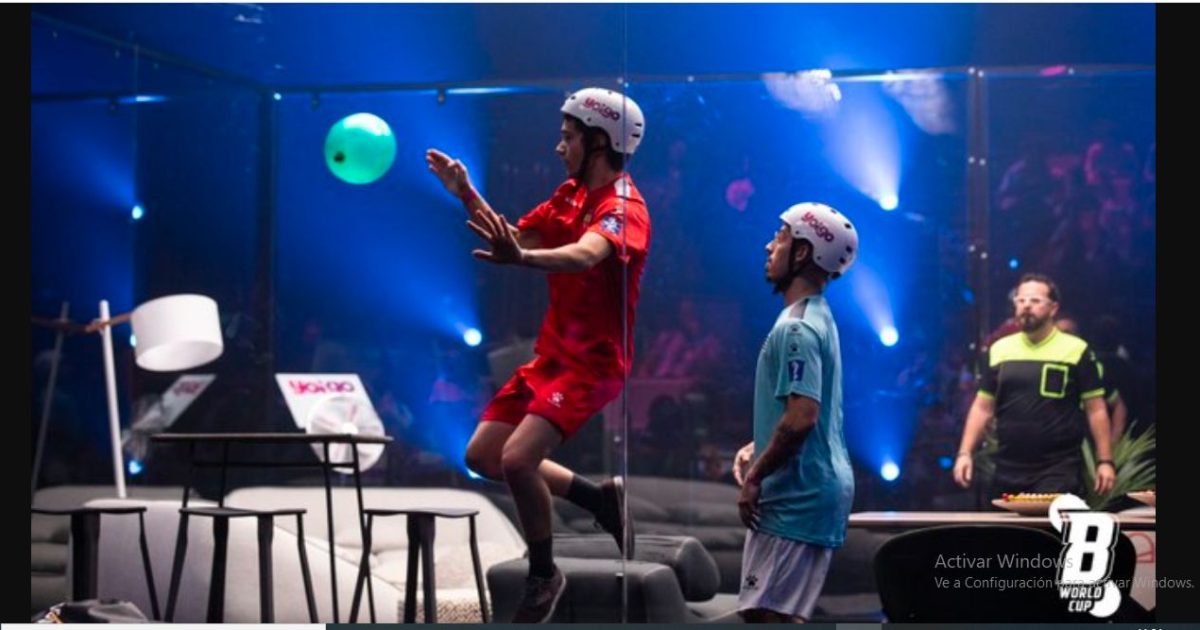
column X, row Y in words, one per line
column 1039, row 391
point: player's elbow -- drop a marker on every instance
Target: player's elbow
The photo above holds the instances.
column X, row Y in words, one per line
column 984, row 407
column 588, row 259
column 584, row 258
column 798, row 423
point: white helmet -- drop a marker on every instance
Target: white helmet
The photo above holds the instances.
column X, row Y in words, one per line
column 834, row 240
column 611, row 111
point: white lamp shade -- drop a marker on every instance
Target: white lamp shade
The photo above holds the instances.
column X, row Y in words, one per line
column 177, row 332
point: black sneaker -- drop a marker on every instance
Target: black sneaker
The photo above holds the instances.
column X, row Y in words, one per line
column 612, row 515
column 541, row 597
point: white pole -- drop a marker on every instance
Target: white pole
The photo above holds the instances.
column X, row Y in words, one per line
column 110, row 383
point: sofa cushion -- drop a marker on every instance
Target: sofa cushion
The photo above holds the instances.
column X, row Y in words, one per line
column 713, row 537
column 504, row 502
column 66, row 497
column 858, row 608
column 47, row 557
column 595, row 589
column 729, row 561
column 668, row 491
column 46, row 590
column 49, row 528
column 851, row 570
column 453, row 567
column 694, row 568
column 722, row 608
column 706, row 513
column 642, row 509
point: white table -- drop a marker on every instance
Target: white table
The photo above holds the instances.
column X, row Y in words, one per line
column 1138, row 519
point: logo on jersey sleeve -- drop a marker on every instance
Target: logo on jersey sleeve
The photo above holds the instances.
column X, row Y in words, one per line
column 611, row 224
column 795, row 370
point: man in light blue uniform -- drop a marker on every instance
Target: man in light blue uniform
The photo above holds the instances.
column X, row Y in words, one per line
column 796, row 494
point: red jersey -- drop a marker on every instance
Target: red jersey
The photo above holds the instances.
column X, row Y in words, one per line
column 582, row 327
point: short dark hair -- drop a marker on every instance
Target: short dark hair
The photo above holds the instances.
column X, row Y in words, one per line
column 810, row 270
column 1042, row 278
column 615, row 159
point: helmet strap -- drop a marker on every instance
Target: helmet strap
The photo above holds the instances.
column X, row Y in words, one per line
column 793, row 269
column 589, row 154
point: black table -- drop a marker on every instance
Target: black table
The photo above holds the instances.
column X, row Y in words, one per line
column 225, row 440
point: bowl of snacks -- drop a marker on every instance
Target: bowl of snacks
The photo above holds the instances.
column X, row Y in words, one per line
column 1027, row 503
column 1144, row 496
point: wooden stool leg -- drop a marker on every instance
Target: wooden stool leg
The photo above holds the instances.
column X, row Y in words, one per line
column 304, row 572
column 266, row 568
column 85, row 553
column 146, row 565
column 429, row 578
column 216, row 587
column 410, row 585
column 483, row 605
column 181, row 540
column 364, row 569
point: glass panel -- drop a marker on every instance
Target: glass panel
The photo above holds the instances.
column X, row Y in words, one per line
column 168, row 203
column 83, row 193
column 727, row 158
column 252, row 169
column 1072, row 185
column 204, row 184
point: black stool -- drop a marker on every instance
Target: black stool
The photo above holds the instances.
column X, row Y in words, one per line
column 85, row 548
column 266, row 535
column 420, row 544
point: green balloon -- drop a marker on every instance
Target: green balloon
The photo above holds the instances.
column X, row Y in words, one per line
column 360, row 148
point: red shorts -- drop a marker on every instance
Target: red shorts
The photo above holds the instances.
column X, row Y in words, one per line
column 549, row 389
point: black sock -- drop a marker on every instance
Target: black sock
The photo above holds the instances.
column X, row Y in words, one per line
column 541, row 558
column 586, row 494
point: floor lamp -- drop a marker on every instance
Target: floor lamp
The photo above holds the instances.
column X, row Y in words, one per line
column 173, row 333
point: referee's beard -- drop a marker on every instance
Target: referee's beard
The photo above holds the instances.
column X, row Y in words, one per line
column 1032, row 323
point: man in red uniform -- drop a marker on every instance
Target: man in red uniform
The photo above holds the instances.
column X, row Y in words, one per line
column 592, row 237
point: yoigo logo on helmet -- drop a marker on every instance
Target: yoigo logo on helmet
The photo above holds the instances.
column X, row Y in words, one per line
column 818, row 227
column 1086, row 562
column 601, row 108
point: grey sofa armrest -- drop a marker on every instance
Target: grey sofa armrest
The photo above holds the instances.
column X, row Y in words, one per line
column 694, row 568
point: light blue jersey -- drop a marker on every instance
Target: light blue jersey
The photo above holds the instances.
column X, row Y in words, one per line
column 807, row 499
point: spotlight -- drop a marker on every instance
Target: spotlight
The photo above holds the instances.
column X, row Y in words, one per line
column 889, row 471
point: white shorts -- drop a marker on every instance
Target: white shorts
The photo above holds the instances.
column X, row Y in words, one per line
column 781, row 575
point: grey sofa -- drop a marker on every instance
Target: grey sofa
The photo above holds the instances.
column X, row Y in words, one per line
column 707, row 512
column 119, row 557
column 49, row 536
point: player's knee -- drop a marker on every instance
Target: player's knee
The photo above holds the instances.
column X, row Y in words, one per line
column 483, row 463
column 515, row 462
